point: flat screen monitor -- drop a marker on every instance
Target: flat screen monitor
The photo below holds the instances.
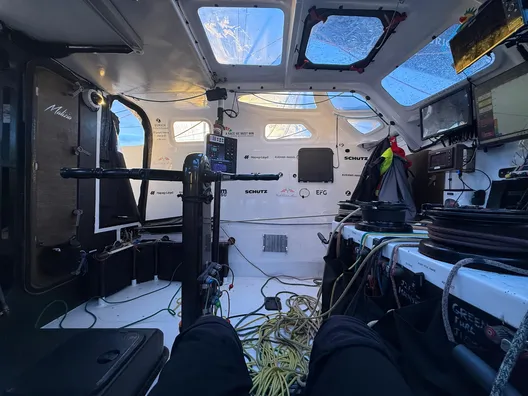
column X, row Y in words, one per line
column 448, row 114
column 502, row 107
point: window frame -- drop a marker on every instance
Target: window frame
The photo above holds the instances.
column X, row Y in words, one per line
column 283, row 46
column 302, row 109
column 360, row 118
column 299, row 122
column 172, row 138
column 452, row 88
column 147, row 150
column 316, row 15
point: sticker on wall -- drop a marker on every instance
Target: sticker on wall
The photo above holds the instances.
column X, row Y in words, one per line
column 351, row 158
column 160, row 136
column 239, row 134
column 286, row 156
column 287, row 192
column 257, row 157
column 162, row 162
column 153, row 192
column 304, row 193
column 256, row 191
column 159, row 124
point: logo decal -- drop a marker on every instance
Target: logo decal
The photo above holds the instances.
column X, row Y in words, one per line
column 58, row 110
column 286, row 192
column 321, row 192
column 304, row 193
column 256, row 191
column 356, row 158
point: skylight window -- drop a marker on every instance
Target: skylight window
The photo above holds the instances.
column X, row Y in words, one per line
column 281, row 100
column 190, row 131
column 347, row 101
column 244, row 36
column 343, row 40
column 429, row 71
column 364, row 126
column 286, row 131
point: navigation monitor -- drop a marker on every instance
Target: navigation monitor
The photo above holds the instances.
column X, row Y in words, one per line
column 446, row 115
column 502, row 108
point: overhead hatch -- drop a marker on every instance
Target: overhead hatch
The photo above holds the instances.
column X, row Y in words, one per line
column 244, row 35
column 338, row 39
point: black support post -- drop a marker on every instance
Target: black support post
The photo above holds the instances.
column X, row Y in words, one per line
column 216, row 221
column 196, row 234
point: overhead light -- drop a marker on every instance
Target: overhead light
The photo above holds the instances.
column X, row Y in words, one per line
column 113, row 18
column 93, row 99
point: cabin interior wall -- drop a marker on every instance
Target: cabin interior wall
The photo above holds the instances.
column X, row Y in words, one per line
column 298, row 210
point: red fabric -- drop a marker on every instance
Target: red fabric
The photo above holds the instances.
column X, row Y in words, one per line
column 398, row 150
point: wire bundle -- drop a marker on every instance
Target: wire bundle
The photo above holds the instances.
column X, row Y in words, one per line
column 278, row 349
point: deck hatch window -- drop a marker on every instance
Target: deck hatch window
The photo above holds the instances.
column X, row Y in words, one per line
column 281, row 100
column 347, row 101
column 287, row 131
column 429, row 71
column 338, row 39
column 364, row 126
column 244, row 35
column 343, row 40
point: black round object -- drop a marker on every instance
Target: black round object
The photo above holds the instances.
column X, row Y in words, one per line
column 379, row 211
column 497, row 234
column 345, row 208
column 382, row 226
column 383, row 217
column 479, row 215
column 447, row 254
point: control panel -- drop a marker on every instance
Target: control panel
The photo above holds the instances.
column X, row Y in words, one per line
column 222, row 153
column 457, row 157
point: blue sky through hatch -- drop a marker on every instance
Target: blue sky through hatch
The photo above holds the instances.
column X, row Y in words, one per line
column 244, row 36
column 429, row 71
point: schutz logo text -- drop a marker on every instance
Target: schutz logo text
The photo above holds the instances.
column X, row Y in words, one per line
column 256, row 191
column 356, row 158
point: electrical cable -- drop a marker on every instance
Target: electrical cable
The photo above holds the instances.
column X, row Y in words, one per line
column 146, row 294
column 256, row 266
column 170, row 310
column 518, row 344
column 296, row 104
column 228, row 302
column 362, row 265
column 232, row 113
column 337, row 143
column 451, row 276
column 66, row 311
column 338, row 228
column 163, row 101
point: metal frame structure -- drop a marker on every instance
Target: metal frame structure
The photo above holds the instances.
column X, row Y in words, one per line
column 202, row 277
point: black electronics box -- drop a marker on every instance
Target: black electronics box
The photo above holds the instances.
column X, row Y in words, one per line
column 315, row 165
column 99, row 362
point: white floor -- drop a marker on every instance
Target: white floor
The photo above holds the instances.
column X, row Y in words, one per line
column 245, row 297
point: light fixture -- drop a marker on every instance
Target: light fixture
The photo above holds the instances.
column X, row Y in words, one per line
column 93, row 99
